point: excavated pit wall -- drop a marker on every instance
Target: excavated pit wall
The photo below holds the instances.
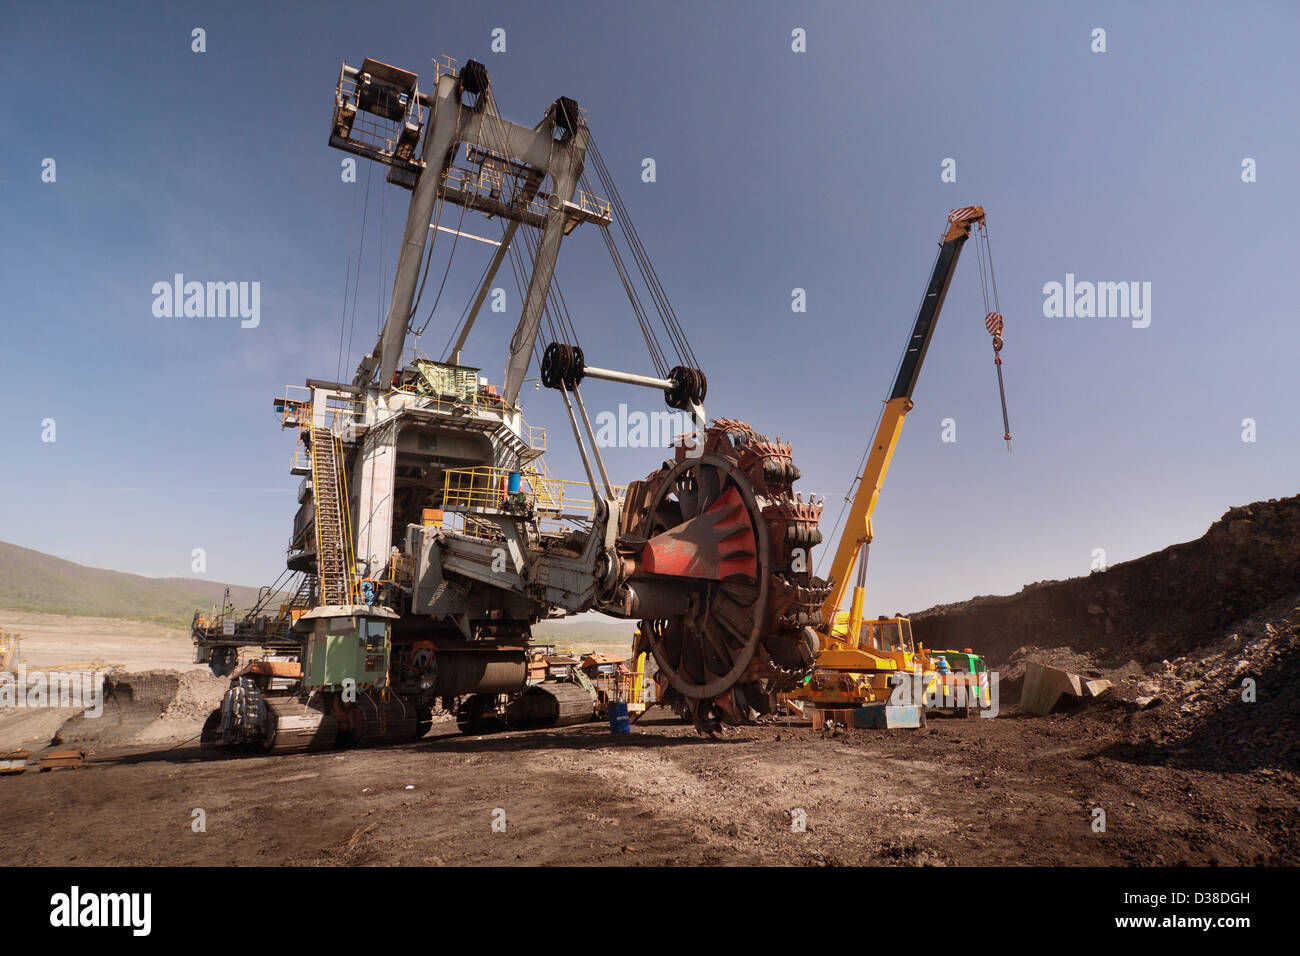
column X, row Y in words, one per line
column 1149, row 609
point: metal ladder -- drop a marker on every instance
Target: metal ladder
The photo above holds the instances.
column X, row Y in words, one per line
column 333, row 564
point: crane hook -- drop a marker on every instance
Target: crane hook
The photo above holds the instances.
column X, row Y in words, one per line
column 993, row 323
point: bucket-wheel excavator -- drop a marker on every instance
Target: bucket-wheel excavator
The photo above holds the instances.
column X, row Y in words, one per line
column 430, row 536
column 856, row 656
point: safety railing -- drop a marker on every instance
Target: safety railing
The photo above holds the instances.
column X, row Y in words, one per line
column 629, row 684
column 300, row 460
column 296, row 409
column 401, row 568
column 371, row 131
column 444, row 64
column 499, row 489
column 417, row 395
column 491, row 183
column 345, row 520
column 593, row 206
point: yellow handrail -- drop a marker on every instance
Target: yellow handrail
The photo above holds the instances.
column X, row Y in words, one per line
column 485, row 488
column 344, row 506
column 345, row 521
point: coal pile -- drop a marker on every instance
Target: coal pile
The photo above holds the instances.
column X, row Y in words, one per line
column 1201, row 640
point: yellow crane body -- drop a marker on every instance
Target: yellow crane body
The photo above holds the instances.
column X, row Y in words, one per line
column 856, row 656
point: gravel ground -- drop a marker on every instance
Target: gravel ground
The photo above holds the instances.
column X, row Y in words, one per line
column 1013, row 790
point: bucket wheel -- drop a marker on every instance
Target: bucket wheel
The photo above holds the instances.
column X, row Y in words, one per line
column 725, row 529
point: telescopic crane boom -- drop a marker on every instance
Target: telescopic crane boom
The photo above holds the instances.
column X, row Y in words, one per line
column 856, row 539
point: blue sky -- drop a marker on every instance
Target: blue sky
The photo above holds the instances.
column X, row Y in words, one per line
column 775, row 170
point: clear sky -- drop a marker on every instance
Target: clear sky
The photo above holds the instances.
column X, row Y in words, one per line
column 776, row 170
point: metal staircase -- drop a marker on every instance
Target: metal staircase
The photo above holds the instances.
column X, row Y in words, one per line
column 523, row 449
column 334, row 563
column 301, row 599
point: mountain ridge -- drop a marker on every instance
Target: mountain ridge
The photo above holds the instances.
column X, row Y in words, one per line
column 32, row 580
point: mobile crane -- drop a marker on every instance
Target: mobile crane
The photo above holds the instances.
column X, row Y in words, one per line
column 856, row 656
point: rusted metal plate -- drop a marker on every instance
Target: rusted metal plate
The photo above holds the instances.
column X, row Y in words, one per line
column 14, row 762
column 288, row 669
column 63, row 760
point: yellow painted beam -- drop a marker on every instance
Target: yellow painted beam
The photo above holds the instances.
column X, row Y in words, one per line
column 857, row 531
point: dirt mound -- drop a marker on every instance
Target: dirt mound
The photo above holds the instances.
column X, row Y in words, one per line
column 146, row 708
column 1230, row 707
column 1201, row 641
column 1159, row 606
column 198, row 693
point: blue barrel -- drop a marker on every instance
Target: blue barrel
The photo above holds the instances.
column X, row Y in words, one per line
column 618, row 721
column 512, row 483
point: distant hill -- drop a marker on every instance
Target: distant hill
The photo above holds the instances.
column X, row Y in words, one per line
column 590, row 632
column 32, row 581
